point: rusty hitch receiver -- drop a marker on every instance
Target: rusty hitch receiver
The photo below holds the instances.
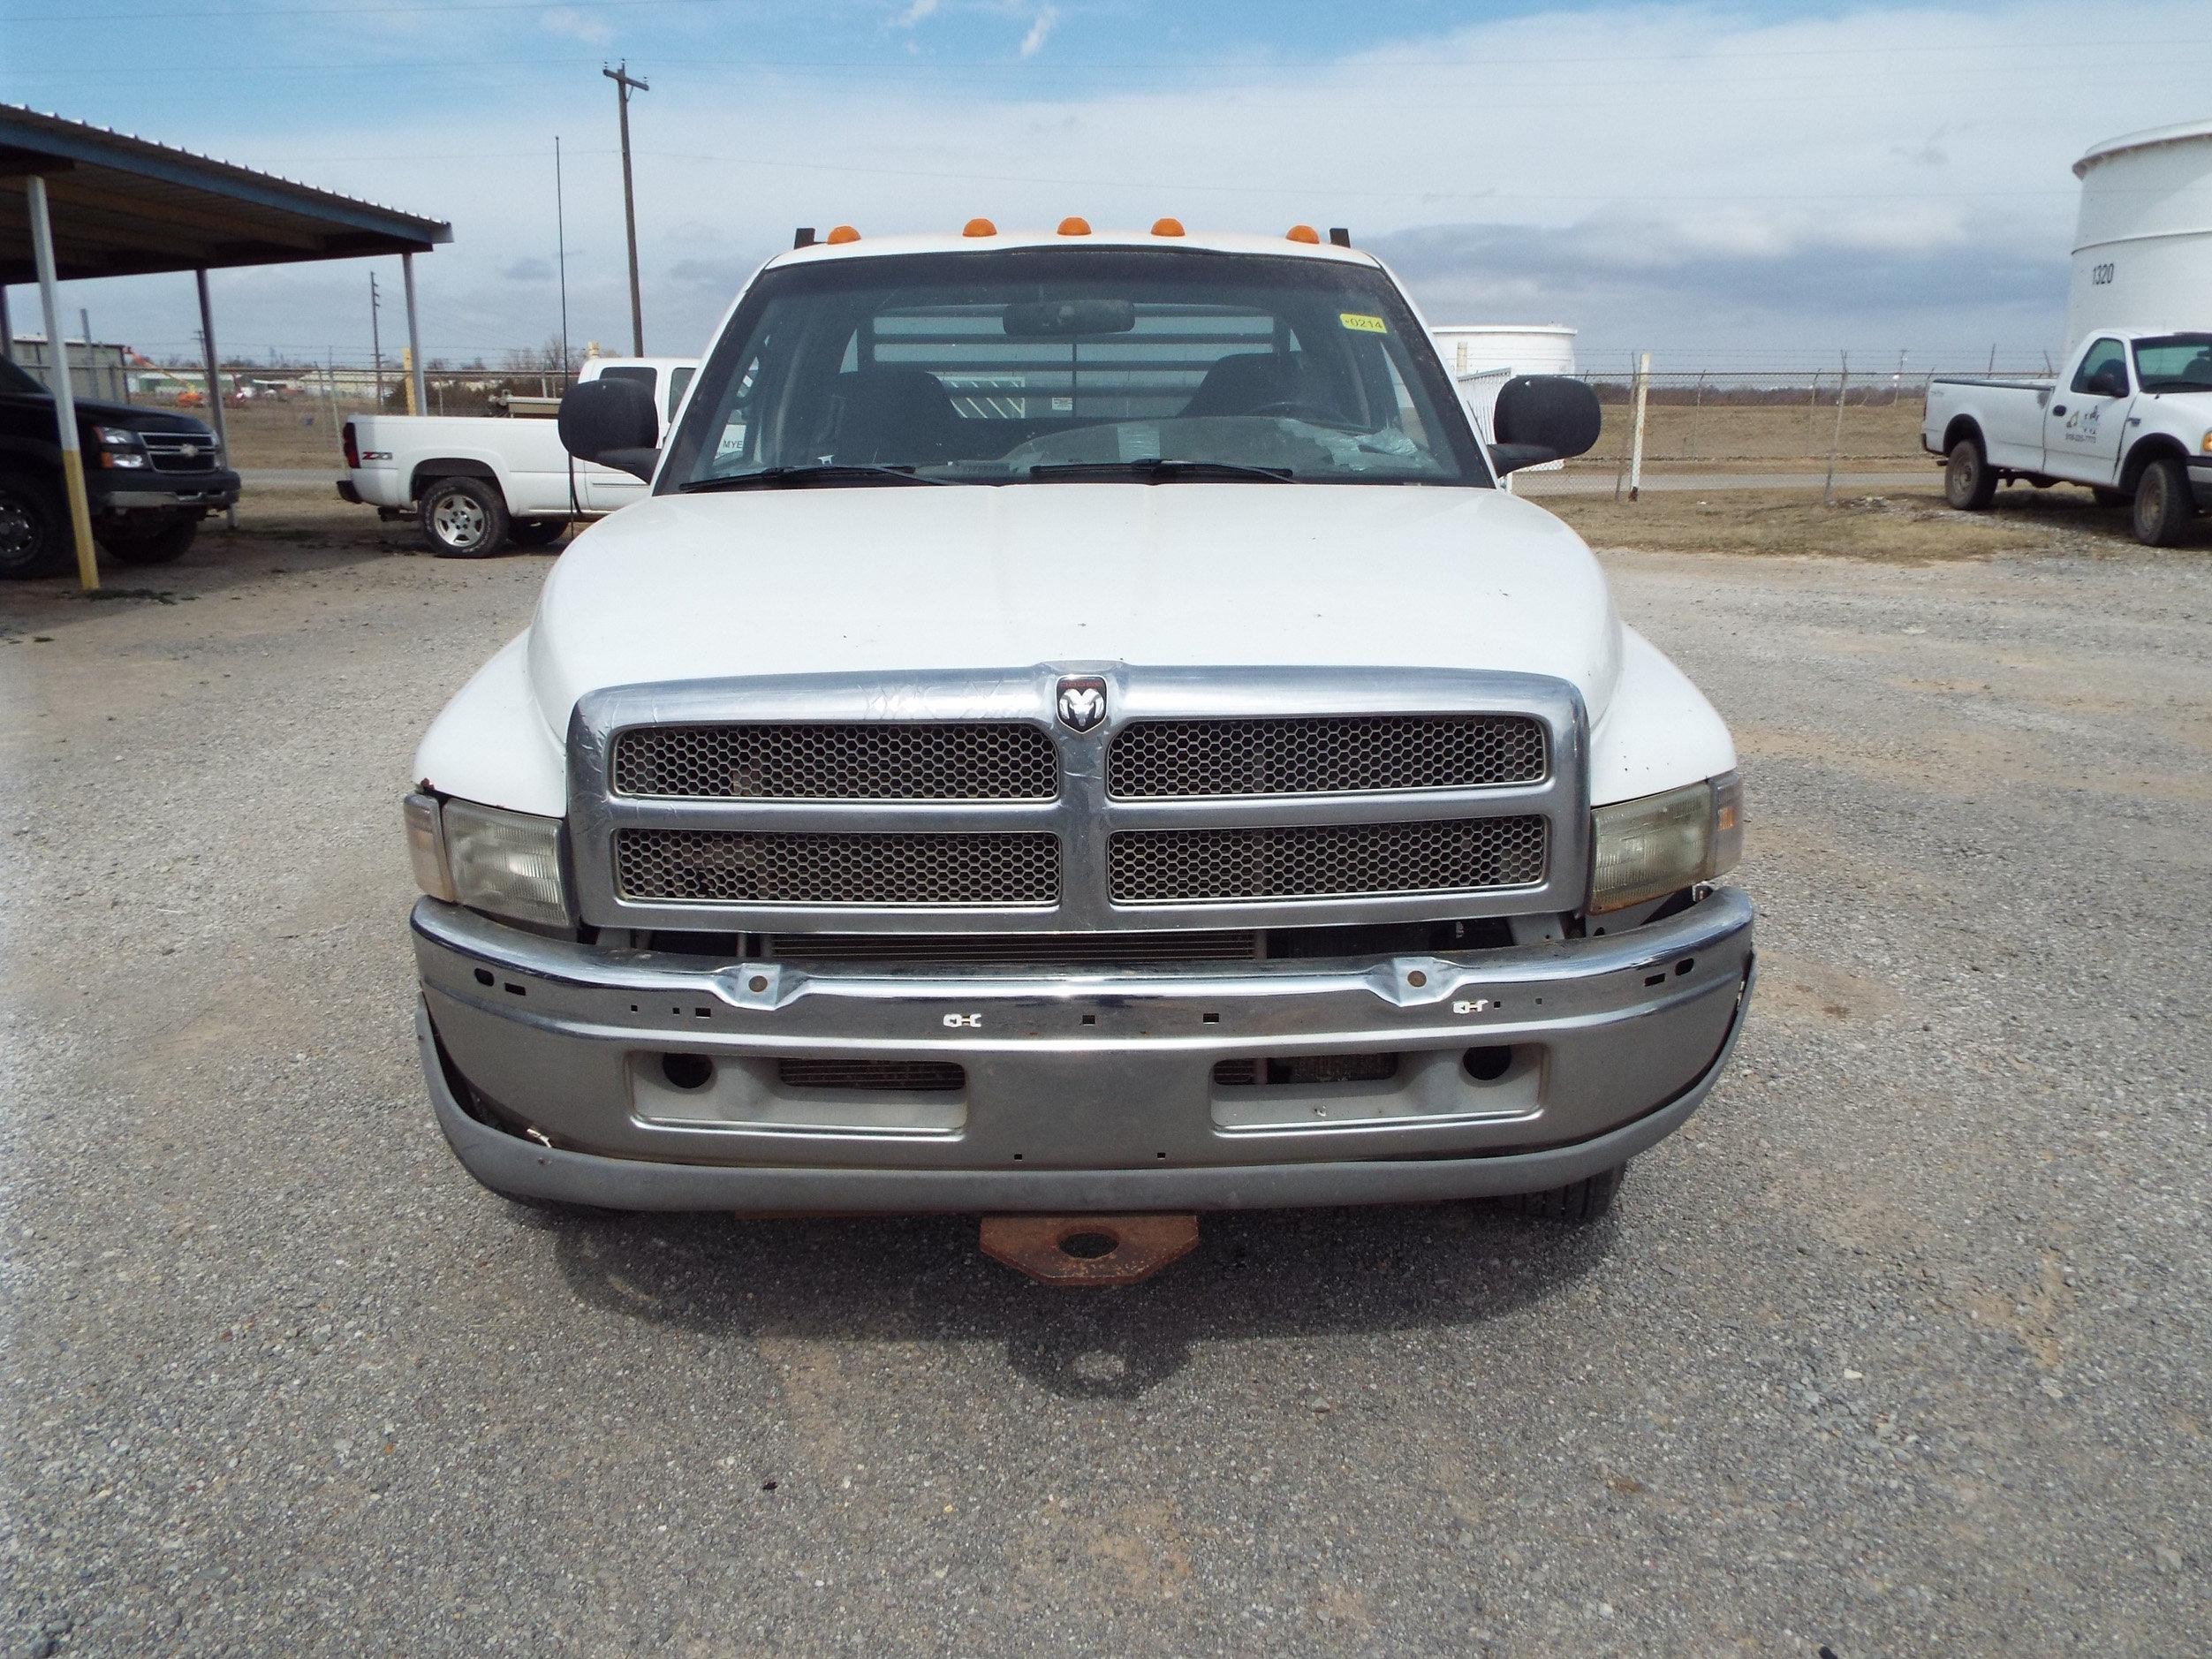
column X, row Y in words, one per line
column 1088, row 1249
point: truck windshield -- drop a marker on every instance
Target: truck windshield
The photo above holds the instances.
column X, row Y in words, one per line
column 2175, row 362
column 1049, row 366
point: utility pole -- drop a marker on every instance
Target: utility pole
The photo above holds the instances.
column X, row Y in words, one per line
column 376, row 343
column 560, row 235
column 624, row 83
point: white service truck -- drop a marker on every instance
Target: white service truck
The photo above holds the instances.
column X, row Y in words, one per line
column 1075, row 731
column 2131, row 417
column 479, row 483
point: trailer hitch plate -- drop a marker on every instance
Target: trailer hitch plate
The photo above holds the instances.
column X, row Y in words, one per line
column 1088, row 1249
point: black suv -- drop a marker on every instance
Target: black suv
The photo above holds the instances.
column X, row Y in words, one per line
column 149, row 475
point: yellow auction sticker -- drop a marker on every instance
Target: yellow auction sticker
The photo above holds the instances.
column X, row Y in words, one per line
column 1360, row 323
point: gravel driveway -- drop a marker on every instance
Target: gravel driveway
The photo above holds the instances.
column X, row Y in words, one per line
column 1902, row 1347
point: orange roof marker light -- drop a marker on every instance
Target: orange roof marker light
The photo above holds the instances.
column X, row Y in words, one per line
column 1167, row 227
column 1073, row 226
column 1296, row 233
column 842, row 234
column 978, row 227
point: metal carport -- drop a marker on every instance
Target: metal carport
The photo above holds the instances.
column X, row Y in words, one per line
column 79, row 202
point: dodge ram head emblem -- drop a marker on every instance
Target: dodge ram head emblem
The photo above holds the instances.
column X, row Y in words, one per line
column 1082, row 701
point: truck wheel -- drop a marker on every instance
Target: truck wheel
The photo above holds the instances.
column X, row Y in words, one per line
column 34, row 528
column 1969, row 484
column 1576, row 1203
column 536, row 532
column 148, row 538
column 463, row 519
column 2162, row 507
column 2111, row 498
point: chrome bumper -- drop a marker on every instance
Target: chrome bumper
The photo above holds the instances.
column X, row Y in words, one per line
column 1086, row 1090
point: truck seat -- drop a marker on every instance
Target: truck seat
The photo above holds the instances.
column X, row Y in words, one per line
column 894, row 416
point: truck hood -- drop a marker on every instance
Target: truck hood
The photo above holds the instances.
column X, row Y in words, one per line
column 799, row 581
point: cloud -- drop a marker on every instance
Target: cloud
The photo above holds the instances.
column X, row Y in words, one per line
column 1794, row 297
column 528, row 271
column 915, row 14
column 577, row 26
column 1688, row 179
column 1039, row 29
column 721, row 276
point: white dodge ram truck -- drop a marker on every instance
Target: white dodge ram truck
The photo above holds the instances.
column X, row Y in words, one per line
column 1075, row 728
column 478, row 483
column 2131, row 417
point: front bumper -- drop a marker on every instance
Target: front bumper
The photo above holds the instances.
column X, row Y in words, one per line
column 1084, row 1090
column 152, row 491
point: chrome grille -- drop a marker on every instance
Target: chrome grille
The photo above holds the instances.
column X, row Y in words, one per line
column 859, row 759
column 905, row 1076
column 166, row 450
column 827, row 817
column 1444, row 855
column 1157, row 760
column 739, row 866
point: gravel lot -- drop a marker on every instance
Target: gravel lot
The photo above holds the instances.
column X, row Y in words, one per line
column 1901, row 1348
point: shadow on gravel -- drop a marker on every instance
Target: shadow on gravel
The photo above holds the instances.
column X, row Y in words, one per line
column 922, row 1279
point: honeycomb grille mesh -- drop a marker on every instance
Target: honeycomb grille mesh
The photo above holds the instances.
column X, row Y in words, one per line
column 1163, row 866
column 738, row 866
column 1156, row 760
column 857, row 759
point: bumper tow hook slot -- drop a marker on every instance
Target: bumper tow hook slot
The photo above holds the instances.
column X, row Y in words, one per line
column 1102, row 1250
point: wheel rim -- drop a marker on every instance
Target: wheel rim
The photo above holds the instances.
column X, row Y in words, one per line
column 1965, row 473
column 458, row 521
column 2153, row 510
column 19, row 532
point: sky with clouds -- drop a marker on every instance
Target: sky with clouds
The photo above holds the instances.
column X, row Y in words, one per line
column 1758, row 185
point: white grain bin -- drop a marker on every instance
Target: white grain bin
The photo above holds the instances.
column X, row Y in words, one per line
column 1534, row 348
column 2142, row 251
column 1482, row 356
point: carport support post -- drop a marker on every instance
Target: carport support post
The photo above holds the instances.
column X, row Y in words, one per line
column 419, row 401
column 215, row 385
column 65, row 397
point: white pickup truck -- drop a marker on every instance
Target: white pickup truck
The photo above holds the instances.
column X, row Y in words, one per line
column 1076, row 728
column 478, row 483
column 2131, row 417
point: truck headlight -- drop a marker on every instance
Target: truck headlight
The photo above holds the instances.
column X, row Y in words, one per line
column 1654, row 846
column 505, row 863
column 119, row 446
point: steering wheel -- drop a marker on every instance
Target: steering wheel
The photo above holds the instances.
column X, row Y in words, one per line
column 1311, row 413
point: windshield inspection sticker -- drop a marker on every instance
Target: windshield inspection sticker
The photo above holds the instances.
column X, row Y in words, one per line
column 1359, row 323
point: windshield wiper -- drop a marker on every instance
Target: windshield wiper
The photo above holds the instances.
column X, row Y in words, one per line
column 1156, row 470
column 800, row 477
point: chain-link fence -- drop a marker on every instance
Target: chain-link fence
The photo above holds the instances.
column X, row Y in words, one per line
column 1720, row 421
column 290, row 417
column 1745, row 421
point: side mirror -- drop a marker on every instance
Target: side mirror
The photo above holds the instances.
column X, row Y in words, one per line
column 611, row 422
column 1542, row 418
column 2109, row 382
